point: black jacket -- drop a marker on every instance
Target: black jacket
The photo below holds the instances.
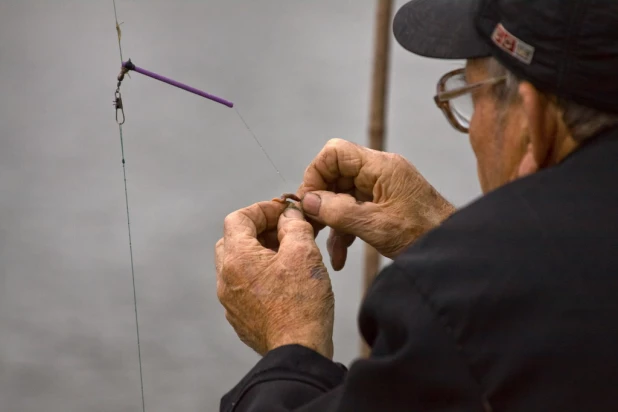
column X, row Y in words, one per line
column 510, row 305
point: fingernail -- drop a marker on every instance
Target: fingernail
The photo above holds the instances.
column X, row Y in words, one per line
column 293, row 212
column 311, row 204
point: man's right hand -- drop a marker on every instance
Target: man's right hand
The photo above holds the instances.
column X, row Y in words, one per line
column 376, row 196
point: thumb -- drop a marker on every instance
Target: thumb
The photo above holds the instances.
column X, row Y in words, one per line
column 341, row 212
column 293, row 228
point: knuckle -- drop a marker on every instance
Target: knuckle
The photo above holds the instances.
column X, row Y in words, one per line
column 229, row 219
column 221, row 289
column 395, row 157
column 337, row 147
column 402, row 163
column 335, row 143
column 393, row 160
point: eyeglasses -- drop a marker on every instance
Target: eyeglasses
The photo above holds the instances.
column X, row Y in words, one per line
column 454, row 97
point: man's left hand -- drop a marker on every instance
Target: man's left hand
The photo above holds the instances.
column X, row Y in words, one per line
column 272, row 281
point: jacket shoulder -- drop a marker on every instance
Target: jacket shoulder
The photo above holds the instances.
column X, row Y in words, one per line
column 526, row 279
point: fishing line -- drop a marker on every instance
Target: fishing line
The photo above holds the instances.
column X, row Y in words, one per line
column 119, row 107
column 259, row 144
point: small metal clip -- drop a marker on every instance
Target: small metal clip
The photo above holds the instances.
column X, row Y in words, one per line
column 119, row 107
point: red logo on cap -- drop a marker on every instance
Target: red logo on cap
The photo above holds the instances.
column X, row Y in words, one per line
column 504, row 39
column 512, row 45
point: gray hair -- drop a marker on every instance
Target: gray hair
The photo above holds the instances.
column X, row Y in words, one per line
column 583, row 122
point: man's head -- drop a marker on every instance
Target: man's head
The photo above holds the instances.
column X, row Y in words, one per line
column 540, row 78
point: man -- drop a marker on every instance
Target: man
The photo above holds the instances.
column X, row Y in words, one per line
column 509, row 304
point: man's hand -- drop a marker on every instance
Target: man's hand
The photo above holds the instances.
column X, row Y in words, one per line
column 272, row 281
column 377, row 196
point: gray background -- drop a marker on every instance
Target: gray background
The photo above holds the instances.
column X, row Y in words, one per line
column 299, row 73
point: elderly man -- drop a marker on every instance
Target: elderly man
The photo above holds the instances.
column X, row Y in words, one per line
column 509, row 304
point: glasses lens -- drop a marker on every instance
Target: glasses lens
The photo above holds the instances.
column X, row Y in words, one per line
column 461, row 106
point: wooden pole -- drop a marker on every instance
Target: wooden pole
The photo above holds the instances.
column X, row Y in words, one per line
column 377, row 125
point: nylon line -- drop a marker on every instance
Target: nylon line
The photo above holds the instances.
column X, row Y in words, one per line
column 126, row 197
column 259, row 144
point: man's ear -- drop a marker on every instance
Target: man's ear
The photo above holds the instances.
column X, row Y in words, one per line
column 528, row 164
column 542, row 128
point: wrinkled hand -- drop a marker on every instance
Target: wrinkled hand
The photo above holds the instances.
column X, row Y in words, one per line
column 376, row 196
column 272, row 281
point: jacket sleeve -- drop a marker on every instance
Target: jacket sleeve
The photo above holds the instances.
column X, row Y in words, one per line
column 415, row 364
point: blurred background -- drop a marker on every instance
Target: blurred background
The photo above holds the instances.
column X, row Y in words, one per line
column 298, row 71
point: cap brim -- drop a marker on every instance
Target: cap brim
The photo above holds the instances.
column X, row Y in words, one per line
column 441, row 29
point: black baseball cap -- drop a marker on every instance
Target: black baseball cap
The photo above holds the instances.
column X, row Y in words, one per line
column 565, row 47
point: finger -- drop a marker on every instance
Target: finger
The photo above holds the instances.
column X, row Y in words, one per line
column 340, row 159
column 343, row 184
column 246, row 224
column 292, row 227
column 337, row 246
column 341, row 212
